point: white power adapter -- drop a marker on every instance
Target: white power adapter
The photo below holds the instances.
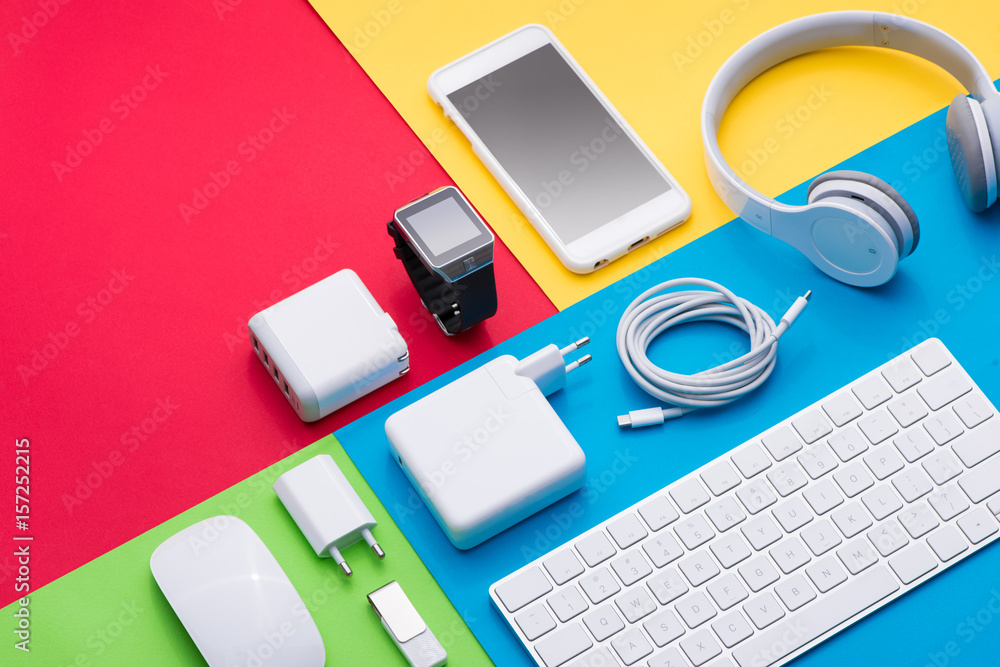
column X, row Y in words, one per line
column 487, row 450
column 326, row 508
column 328, row 345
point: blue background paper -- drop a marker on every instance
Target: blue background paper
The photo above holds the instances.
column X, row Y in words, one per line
column 950, row 288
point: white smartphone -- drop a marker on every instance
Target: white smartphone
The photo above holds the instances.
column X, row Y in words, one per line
column 578, row 172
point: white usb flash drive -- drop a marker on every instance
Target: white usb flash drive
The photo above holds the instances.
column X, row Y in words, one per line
column 412, row 636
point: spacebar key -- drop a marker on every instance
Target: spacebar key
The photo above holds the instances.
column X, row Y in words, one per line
column 779, row 640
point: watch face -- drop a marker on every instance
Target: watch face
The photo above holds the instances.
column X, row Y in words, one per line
column 446, row 232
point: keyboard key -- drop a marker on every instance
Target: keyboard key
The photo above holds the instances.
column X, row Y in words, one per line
column 563, row 566
column 631, row 567
column 756, row 496
column 689, row 495
column 794, row 592
column 901, row 374
column 563, row 645
column 994, row 506
column 730, row 549
column 822, row 497
column 725, row 514
column 947, row 543
column 727, row 591
column 787, row 478
column 662, row 549
column 820, row 537
column 944, row 427
column 663, row 628
column 595, row 548
column 848, row 443
column 878, row 426
column 918, row 520
column 635, row 604
column 764, row 611
column 761, row 532
column 939, row 391
column 857, row 556
column 817, row 461
column 695, row 609
column 942, row 466
column 700, row 647
column 888, row 538
column 667, row 586
column 567, row 603
column 698, row 568
column 811, row 426
column 912, row 563
column 930, row 358
column 978, row 445
column 948, row 502
column 908, row 410
column 599, row 585
column 604, row 622
column 792, row 514
column 631, row 646
column 658, row 513
column 853, row 479
column 694, row 531
column 720, row 477
column 983, row 482
column 790, row 554
column 599, row 657
column 851, row 519
column 627, row 530
column 883, row 462
column 671, row 657
column 826, row 574
column 783, row 638
column 872, row 391
column 535, row 622
column 732, row 629
column 882, row 501
column 973, row 410
column 781, row 443
column 842, row 408
column 912, row 484
column 751, row 460
column 758, row 573
column 978, row 525
column 914, row 445
column 526, row 587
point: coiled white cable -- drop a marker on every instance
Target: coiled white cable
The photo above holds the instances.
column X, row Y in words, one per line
column 657, row 309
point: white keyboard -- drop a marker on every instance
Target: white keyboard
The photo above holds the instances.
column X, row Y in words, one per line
column 766, row 551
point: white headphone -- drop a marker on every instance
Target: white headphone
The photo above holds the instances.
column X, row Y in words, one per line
column 856, row 227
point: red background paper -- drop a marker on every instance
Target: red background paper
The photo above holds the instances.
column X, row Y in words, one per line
column 143, row 397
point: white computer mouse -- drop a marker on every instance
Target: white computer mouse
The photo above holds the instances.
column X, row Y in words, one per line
column 234, row 599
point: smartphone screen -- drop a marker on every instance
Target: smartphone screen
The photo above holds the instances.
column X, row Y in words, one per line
column 566, row 153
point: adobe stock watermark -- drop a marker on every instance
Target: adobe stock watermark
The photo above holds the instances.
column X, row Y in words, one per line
column 60, row 339
column 224, row 7
column 465, row 449
column 101, row 470
column 247, row 151
column 121, row 108
column 374, row 26
column 32, row 23
column 101, row 640
column 407, row 164
column 968, row 630
column 712, row 29
column 562, row 12
column 578, row 161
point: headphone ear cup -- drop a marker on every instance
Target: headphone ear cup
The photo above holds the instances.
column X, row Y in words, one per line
column 879, row 199
column 971, row 152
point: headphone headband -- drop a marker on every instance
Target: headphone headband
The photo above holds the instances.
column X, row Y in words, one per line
column 804, row 35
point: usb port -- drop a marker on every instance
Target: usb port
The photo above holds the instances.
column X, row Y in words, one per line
column 284, row 388
column 638, row 243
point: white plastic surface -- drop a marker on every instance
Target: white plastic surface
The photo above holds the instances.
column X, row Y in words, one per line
column 234, row 599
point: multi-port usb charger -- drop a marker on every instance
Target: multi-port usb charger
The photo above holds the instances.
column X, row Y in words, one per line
column 328, row 345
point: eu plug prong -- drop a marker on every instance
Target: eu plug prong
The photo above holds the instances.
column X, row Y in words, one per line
column 572, row 366
column 574, row 346
column 335, row 555
column 367, row 534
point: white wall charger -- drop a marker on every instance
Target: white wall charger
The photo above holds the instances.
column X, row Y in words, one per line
column 487, row 450
column 328, row 345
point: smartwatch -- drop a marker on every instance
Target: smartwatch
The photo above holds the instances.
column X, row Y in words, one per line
column 447, row 251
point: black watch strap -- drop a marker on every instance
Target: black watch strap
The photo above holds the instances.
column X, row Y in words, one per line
column 455, row 305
